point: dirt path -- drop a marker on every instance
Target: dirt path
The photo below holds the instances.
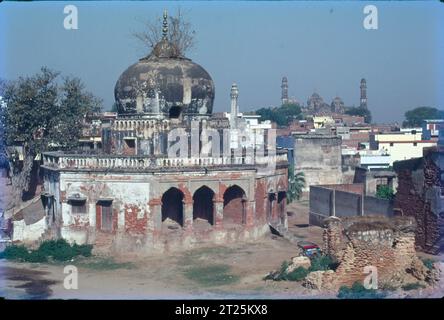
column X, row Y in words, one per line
column 234, row 271
column 211, row 272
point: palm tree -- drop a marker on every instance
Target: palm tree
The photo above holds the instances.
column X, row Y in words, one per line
column 296, row 182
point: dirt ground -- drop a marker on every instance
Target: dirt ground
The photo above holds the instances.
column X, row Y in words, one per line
column 234, row 271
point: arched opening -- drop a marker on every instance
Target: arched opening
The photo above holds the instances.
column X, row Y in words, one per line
column 175, row 112
column 234, row 205
column 203, row 208
column 172, row 207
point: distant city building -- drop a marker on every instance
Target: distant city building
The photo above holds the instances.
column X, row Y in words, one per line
column 317, row 106
column 284, row 87
column 285, row 99
column 337, row 105
column 246, row 129
column 363, row 100
column 319, row 157
column 400, row 145
column 431, row 128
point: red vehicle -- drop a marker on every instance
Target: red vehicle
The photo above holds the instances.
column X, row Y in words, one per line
column 309, row 249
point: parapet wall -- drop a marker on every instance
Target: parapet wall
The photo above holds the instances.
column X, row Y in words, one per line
column 344, row 200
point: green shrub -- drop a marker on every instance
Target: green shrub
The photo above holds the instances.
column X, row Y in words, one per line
column 83, row 249
column 59, row 250
column 280, row 275
column 428, row 263
column 15, row 252
column 36, row 256
column 385, row 192
column 297, row 274
column 358, row 291
column 412, row 286
column 323, row 263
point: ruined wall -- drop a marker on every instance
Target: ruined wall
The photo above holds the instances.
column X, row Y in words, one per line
column 387, row 244
column 419, row 195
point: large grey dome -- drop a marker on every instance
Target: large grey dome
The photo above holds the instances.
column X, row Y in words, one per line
column 165, row 83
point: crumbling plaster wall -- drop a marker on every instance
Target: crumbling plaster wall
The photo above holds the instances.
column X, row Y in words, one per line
column 137, row 200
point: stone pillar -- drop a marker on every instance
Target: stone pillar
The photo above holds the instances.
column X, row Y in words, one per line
column 249, row 209
column 332, row 236
column 154, row 221
column 284, row 219
column 218, row 207
column 265, row 207
column 274, row 208
column 188, row 214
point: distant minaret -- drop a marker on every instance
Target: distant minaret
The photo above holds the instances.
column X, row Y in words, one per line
column 284, row 86
column 234, row 106
column 363, row 103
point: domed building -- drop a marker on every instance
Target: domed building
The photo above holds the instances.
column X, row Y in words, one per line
column 315, row 104
column 337, row 105
column 167, row 177
column 166, row 85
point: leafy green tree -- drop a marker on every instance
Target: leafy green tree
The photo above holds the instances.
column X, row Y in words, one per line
column 282, row 115
column 43, row 112
column 296, row 182
column 360, row 111
column 415, row 117
column 385, row 192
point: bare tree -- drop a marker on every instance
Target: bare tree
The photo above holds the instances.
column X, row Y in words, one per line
column 179, row 32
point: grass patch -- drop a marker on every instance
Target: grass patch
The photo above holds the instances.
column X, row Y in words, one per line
column 196, row 256
column 412, row 286
column 215, row 275
column 56, row 250
column 104, row 263
column 358, row 291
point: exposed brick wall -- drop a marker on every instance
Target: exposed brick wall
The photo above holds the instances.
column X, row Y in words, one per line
column 261, row 196
column 417, row 178
column 135, row 220
column 233, row 211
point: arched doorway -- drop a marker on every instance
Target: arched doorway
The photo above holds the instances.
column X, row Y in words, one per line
column 174, row 112
column 203, row 207
column 172, row 206
column 234, row 205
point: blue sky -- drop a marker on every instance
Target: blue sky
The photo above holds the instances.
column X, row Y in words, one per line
column 320, row 46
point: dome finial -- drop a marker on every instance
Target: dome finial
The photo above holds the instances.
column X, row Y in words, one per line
column 165, row 25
